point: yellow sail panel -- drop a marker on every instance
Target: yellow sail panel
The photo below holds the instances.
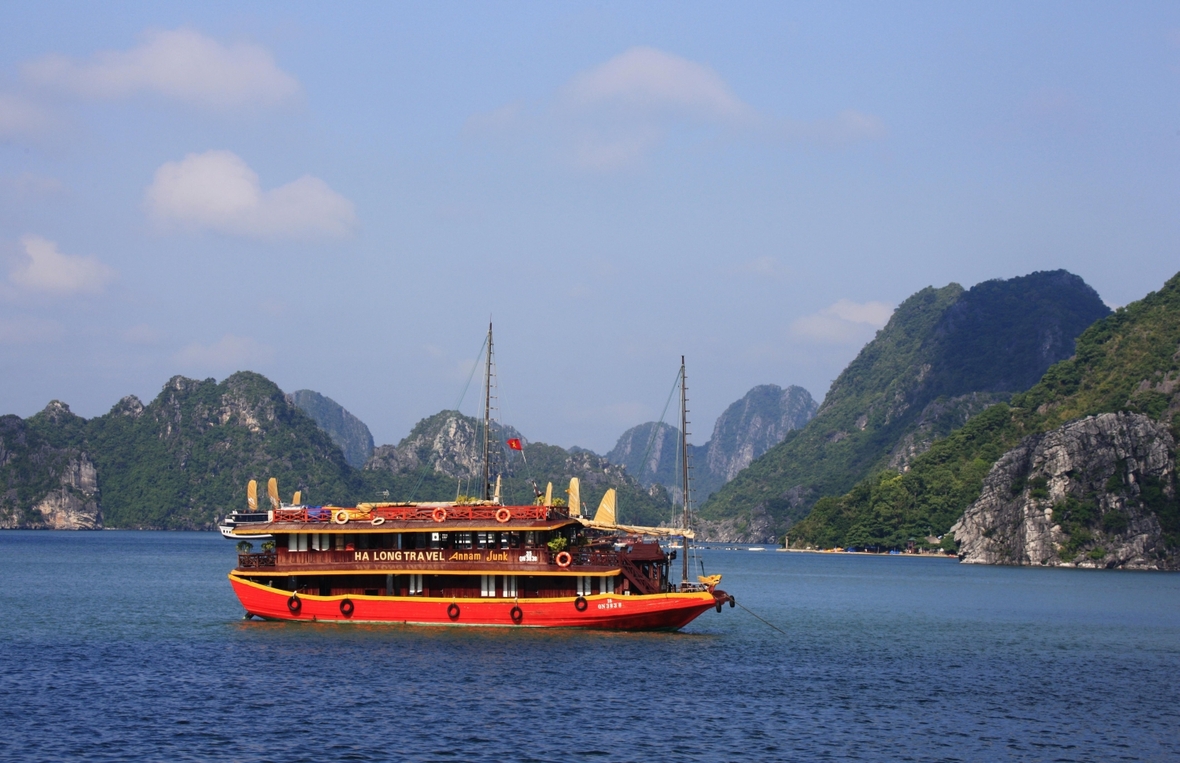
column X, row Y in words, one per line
column 272, row 492
column 667, row 532
column 606, row 510
column 295, row 499
column 575, row 497
column 252, row 495
column 549, row 494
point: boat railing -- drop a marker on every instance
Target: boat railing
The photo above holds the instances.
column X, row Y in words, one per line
column 485, row 512
column 303, row 514
column 254, row 561
column 594, row 559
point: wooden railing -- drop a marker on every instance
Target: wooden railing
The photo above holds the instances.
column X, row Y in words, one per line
column 254, row 561
column 485, row 512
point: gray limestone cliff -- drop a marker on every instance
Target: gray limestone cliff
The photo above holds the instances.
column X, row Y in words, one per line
column 1098, row 492
column 757, row 422
column 43, row 486
column 347, row 431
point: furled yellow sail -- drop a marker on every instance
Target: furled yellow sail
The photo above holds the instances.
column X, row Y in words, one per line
column 295, row 499
column 549, row 494
column 272, row 492
column 575, row 497
column 606, row 509
column 252, row 495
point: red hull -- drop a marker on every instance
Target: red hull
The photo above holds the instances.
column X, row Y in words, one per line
column 665, row 611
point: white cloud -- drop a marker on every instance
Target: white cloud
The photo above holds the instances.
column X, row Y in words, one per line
column 180, row 64
column 24, row 330
column 614, row 115
column 228, row 352
column 649, row 80
column 44, row 269
column 218, row 191
column 21, row 118
column 842, row 322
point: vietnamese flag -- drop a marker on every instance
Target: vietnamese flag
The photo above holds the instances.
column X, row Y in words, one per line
column 515, row 444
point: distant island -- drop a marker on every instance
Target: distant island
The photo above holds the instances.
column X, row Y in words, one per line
column 1015, row 422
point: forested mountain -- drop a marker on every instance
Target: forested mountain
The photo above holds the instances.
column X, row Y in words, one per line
column 346, row 430
column 745, row 430
column 945, row 355
column 1080, row 469
column 443, row 456
column 184, row 459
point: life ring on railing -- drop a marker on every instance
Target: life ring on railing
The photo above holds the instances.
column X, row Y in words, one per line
column 340, row 517
column 347, row 607
column 503, row 515
column 378, row 521
column 580, row 604
column 453, row 611
column 294, row 604
column 564, row 559
column 439, row 514
column 517, row 614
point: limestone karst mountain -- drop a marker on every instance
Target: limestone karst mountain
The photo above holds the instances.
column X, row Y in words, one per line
column 945, row 355
column 443, row 456
column 744, row 431
column 346, row 430
column 1079, row 470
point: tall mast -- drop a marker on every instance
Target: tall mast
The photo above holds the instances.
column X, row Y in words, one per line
column 684, row 462
column 487, row 422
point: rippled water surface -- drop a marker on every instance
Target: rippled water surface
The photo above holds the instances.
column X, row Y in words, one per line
column 130, row 646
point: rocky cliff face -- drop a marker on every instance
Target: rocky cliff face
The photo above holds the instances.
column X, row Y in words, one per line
column 1097, row 492
column 346, row 430
column 43, row 486
column 743, row 432
column 754, row 425
column 448, row 443
column 944, row 354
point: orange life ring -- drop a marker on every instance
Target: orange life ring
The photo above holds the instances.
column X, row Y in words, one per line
column 340, row 517
column 503, row 515
column 564, row 559
column 439, row 514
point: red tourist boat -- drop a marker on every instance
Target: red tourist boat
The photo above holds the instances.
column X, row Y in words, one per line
column 469, row 562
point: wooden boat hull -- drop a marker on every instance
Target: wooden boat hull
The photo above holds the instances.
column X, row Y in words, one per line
column 664, row 611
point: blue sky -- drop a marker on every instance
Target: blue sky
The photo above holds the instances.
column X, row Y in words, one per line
column 340, row 196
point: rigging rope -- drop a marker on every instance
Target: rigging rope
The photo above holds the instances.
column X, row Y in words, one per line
column 458, row 406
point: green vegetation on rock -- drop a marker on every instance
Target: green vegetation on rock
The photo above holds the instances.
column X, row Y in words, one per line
column 1128, row 361
column 945, row 355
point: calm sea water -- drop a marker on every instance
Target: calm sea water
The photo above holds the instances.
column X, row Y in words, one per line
column 130, row 646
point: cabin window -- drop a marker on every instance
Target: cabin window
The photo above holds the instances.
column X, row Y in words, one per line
column 463, row 540
column 435, row 540
column 415, row 585
column 362, row 541
column 513, row 540
column 530, row 539
column 503, row 540
column 339, row 538
column 487, row 585
column 389, row 585
column 481, row 540
column 510, row 586
column 606, row 584
column 585, row 584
